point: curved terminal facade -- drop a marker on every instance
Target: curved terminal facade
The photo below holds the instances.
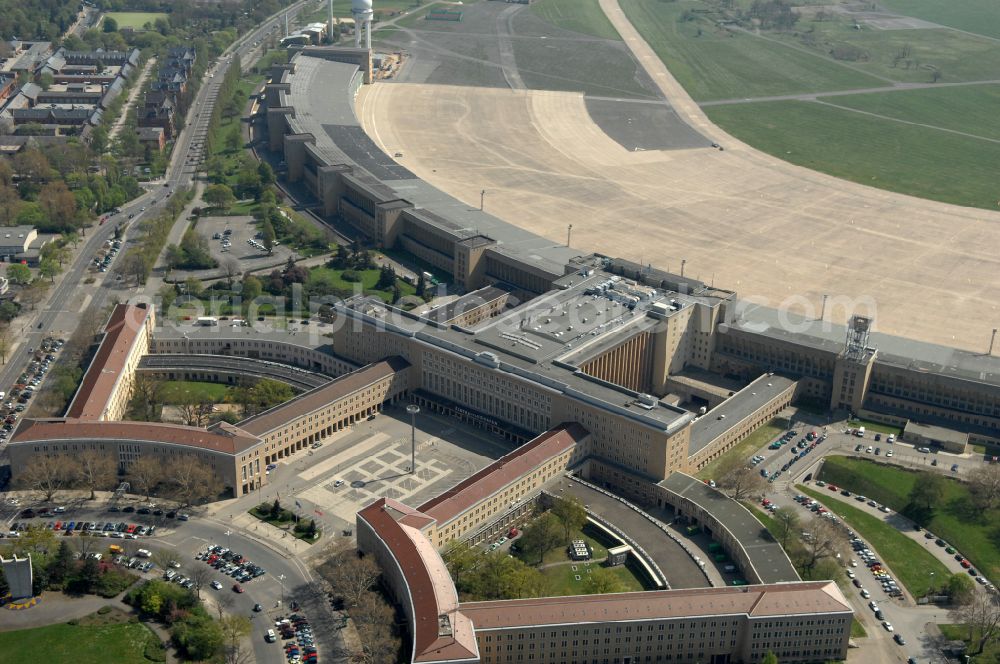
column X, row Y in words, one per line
column 621, row 374
column 309, row 110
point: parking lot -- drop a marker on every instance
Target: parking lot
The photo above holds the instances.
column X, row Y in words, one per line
column 240, row 229
column 17, row 398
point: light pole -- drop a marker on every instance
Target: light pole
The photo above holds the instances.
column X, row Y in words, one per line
column 413, row 409
column 229, row 540
column 281, row 580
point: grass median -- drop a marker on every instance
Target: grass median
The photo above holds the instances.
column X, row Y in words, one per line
column 743, row 450
column 956, row 518
column 909, row 561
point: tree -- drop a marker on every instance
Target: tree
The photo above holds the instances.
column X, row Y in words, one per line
column 223, row 602
column 374, row 618
column 461, row 559
column 33, row 293
column 571, row 514
column 192, row 481
column 822, row 543
column 234, row 630
column 276, row 509
column 110, row 24
column 739, row 480
column 144, row 474
column 960, row 588
column 252, row 288
column 48, row 268
column 201, row 575
column 984, row 484
column 351, row 575
column 260, row 396
column 59, row 205
column 10, row 205
column 265, row 173
column 166, row 557
column 95, row 470
column 787, row 524
column 769, row 658
column 267, row 231
column 928, row 491
column 62, row 565
column 48, row 474
column 543, row 535
column 145, row 403
column 981, row 617
column 4, row 341
column 18, row 274
column 232, row 268
column 219, row 196
column 602, row 580
column 386, row 278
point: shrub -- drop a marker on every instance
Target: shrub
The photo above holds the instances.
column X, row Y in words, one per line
column 351, row 276
column 104, row 610
column 154, row 650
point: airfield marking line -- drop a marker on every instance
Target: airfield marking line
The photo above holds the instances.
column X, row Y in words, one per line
column 907, row 122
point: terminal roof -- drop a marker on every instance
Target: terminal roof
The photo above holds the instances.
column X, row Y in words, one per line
column 766, row 555
column 892, row 350
column 739, row 406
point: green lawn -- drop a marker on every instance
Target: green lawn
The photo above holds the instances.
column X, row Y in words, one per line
column 881, row 153
column 715, row 63
column 334, row 279
column 135, row 20
column 583, row 16
column 978, row 16
column 762, row 436
column 857, row 629
column 970, row 109
column 897, row 55
column 562, row 579
column 121, row 643
column 180, row 391
column 991, row 654
column 970, row 530
column 908, row 559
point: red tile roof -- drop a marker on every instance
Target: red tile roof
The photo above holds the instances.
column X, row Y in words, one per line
column 431, row 590
column 313, row 400
column 777, row 599
column 106, row 368
column 227, row 438
column 502, row 472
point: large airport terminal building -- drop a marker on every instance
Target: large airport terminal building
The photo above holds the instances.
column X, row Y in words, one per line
column 623, row 375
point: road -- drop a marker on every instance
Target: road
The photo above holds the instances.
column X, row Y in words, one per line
column 908, row 619
column 71, row 301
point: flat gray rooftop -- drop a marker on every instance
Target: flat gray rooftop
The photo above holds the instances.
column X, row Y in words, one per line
column 549, row 374
column 766, row 555
column 892, row 350
column 321, row 93
column 933, row 432
column 735, row 409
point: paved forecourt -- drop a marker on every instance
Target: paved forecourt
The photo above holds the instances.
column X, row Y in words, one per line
column 740, row 218
column 372, row 460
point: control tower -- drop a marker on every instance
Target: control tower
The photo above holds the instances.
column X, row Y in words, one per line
column 362, row 12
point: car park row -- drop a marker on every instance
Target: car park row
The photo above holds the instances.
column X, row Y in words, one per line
column 295, row 628
column 231, row 564
column 27, row 383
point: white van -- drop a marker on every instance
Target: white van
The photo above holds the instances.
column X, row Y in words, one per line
column 860, row 433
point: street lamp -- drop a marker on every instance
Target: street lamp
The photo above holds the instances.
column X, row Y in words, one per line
column 413, row 409
column 229, row 540
column 281, row 580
